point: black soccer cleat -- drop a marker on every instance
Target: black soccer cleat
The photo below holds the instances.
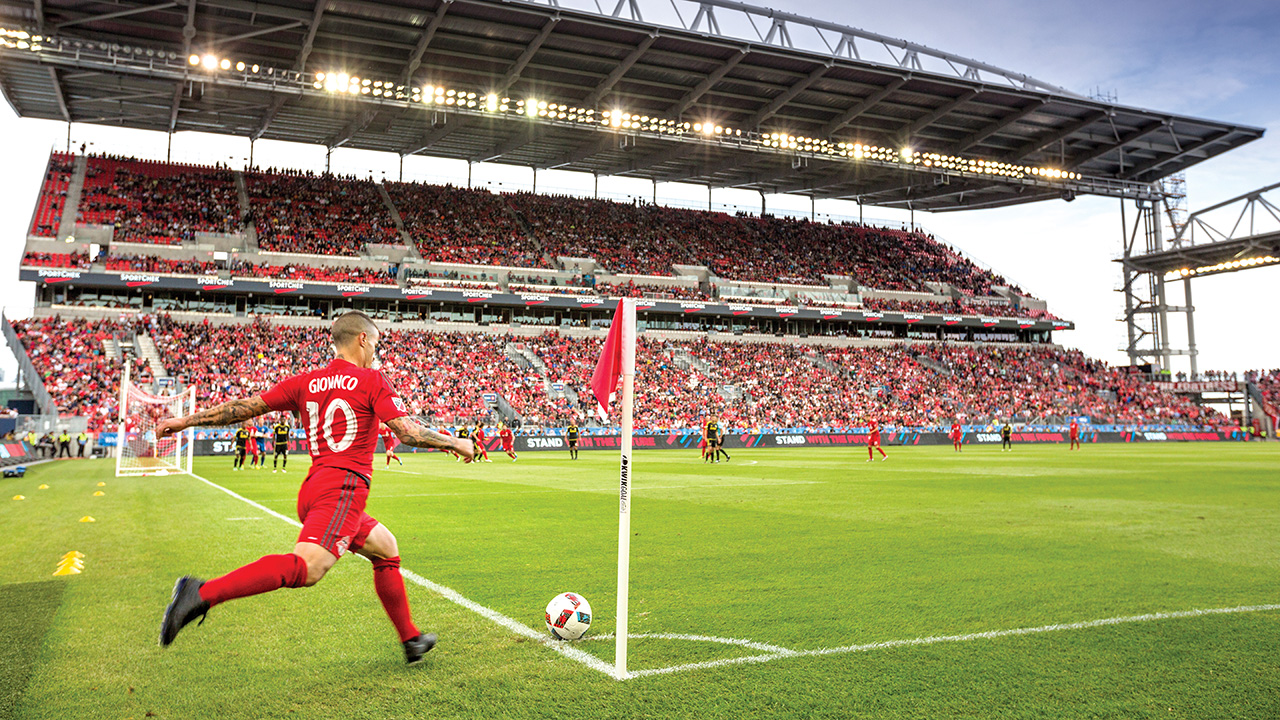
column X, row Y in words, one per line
column 415, row 648
column 186, row 606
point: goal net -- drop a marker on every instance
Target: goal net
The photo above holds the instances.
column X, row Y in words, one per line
column 138, row 450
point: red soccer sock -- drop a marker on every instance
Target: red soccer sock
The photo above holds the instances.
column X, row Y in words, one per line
column 871, row 452
column 390, row 587
column 267, row 573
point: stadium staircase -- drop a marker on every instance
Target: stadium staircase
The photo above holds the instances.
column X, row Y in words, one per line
column 1263, row 410
column 250, row 228
column 931, row 364
column 71, row 208
column 527, row 359
column 528, row 232
column 825, row 364
column 399, row 221
column 146, row 349
column 111, row 349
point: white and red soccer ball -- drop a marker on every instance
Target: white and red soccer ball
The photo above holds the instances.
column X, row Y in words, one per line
column 568, row 616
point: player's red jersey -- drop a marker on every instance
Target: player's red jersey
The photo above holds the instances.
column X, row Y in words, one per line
column 507, row 438
column 955, row 430
column 340, row 406
column 1075, row 429
column 874, row 427
column 389, row 438
column 478, row 434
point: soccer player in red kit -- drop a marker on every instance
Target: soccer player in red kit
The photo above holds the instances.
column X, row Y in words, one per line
column 873, row 442
column 1075, row 435
column 508, row 442
column 389, row 442
column 340, row 406
column 957, row 436
column 477, row 439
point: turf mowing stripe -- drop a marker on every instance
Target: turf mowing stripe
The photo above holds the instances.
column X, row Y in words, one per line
column 956, row 638
column 457, row 598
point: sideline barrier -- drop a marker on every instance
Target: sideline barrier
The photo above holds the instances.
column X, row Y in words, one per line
column 688, row 440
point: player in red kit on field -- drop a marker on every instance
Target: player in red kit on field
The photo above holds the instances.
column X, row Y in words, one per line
column 957, row 436
column 477, row 439
column 339, row 406
column 1075, row 435
column 508, row 442
column 873, row 442
column 389, row 442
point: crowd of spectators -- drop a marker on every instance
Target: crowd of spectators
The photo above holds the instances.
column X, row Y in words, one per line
column 296, row 271
column 445, row 376
column 331, row 215
column 149, row 264
column 652, row 291
column 72, row 261
column 317, row 214
column 949, row 306
column 1268, row 382
column 623, row 238
column 461, row 225
column 53, row 195
column 159, row 203
column 71, row 358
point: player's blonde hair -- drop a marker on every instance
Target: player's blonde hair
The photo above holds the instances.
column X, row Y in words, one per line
column 348, row 327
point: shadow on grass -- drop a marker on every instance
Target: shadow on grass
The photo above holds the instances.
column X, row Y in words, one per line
column 29, row 609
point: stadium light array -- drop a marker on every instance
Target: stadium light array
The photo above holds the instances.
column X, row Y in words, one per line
column 619, row 119
column 1226, row 266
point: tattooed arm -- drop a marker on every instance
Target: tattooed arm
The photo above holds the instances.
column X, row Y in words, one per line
column 228, row 413
column 412, row 432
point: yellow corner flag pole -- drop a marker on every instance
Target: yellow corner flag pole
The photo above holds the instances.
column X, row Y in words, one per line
column 624, row 483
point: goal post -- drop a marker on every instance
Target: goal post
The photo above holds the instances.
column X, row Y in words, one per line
column 138, row 450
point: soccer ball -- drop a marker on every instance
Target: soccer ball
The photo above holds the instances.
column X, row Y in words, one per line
column 568, row 616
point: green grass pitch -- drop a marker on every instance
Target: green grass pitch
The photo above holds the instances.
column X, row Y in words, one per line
column 795, row 549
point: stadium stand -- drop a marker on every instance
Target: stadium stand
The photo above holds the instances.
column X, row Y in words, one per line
column 300, row 271
column 53, row 195
column 74, row 260
column 150, row 264
column 303, row 213
column 317, row 214
column 460, row 225
column 158, row 203
column 770, row 384
column 71, row 358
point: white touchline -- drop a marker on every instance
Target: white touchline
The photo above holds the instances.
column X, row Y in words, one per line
column 773, row 652
column 454, row 596
column 956, row 638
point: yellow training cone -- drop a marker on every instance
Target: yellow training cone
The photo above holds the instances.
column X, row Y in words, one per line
column 87, row 518
column 43, row 487
column 99, row 493
column 70, row 564
column 19, row 497
column 102, row 484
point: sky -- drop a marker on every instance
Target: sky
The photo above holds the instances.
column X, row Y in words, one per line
column 1212, row 60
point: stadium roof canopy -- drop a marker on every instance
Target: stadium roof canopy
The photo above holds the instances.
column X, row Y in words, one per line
column 805, row 106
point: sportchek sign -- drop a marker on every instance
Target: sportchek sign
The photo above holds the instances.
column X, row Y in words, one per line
column 267, row 286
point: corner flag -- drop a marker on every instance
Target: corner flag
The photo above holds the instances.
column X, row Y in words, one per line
column 618, row 360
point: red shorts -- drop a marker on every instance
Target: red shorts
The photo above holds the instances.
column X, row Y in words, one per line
column 390, row 443
column 331, row 508
column 506, row 447
column 873, row 440
column 1075, row 436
